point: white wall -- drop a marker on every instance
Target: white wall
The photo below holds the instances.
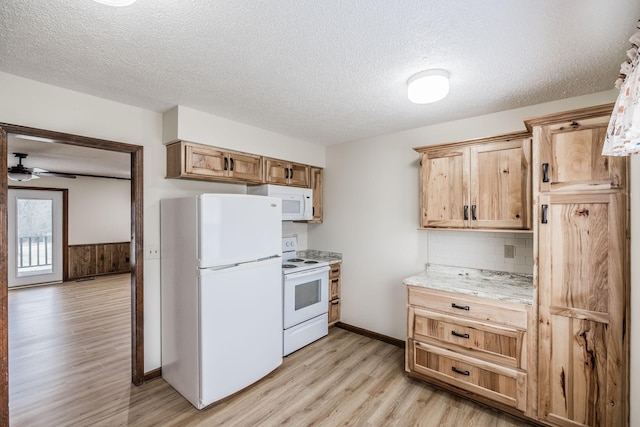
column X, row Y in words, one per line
column 371, row 216
column 29, row 103
column 99, row 209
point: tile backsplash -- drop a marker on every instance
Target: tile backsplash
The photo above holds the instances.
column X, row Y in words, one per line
column 481, row 250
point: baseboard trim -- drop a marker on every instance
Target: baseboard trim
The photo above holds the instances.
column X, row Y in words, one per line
column 152, row 375
column 371, row 334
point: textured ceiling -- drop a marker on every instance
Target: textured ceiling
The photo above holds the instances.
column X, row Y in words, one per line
column 325, row 71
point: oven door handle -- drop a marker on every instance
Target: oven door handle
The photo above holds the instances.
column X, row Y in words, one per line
column 305, row 273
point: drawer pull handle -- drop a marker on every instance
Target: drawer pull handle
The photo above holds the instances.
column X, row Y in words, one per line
column 456, row 334
column 335, row 302
column 335, row 271
column 460, row 307
column 335, row 280
column 458, row 371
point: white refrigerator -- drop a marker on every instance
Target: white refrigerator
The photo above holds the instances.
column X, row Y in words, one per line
column 221, row 292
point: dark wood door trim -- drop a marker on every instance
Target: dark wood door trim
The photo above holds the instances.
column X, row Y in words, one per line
column 137, row 254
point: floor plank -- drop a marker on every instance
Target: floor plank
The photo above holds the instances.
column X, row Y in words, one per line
column 69, row 365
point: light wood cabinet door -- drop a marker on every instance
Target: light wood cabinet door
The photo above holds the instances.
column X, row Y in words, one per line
column 445, row 188
column 205, row 161
column 334, row 292
column 484, row 184
column 202, row 162
column 501, row 185
column 316, row 185
column 280, row 172
column 571, row 157
column 245, row 167
column 582, row 365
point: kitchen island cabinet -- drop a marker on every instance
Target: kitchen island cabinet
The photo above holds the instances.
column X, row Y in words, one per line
column 467, row 330
column 478, row 184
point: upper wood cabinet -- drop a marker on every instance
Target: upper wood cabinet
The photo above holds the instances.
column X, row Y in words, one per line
column 316, row 185
column 203, row 162
column 285, row 173
column 484, row 184
column 570, row 147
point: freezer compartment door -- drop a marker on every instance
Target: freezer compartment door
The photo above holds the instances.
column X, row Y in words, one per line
column 241, row 327
column 236, row 228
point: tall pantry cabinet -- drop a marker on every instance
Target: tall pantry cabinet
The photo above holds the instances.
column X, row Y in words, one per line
column 581, row 250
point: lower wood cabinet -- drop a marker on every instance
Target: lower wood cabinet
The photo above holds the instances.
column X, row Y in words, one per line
column 476, row 346
column 334, row 293
column 98, row 259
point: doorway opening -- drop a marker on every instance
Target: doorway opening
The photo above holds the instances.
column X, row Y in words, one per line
column 136, row 257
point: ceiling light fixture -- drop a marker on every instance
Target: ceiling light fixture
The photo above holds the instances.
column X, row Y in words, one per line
column 428, row 86
column 116, row 3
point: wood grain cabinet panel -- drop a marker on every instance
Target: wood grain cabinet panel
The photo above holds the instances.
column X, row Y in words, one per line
column 582, row 264
column 483, row 184
column 334, row 292
column 569, row 151
column 281, row 172
column 189, row 160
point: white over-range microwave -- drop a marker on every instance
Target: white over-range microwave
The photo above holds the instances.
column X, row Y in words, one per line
column 297, row 203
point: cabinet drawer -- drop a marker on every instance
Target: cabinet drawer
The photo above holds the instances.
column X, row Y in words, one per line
column 334, row 272
column 470, row 307
column 334, row 311
column 504, row 385
column 497, row 344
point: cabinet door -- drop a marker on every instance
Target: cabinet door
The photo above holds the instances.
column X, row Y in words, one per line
column 571, row 157
column 582, row 310
column 298, row 175
column 205, row 161
column 501, row 185
column 276, row 171
column 316, row 185
column 445, row 188
column 245, row 167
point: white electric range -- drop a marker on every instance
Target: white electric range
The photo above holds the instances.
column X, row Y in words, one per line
column 306, row 298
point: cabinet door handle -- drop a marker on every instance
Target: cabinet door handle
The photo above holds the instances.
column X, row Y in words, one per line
column 226, row 163
column 473, row 212
column 545, row 214
column 545, row 172
column 461, row 372
column 334, row 280
column 290, row 173
column 459, row 335
column 231, row 160
column 335, row 302
column 335, row 271
column 286, row 173
column 460, row 307
column 466, row 212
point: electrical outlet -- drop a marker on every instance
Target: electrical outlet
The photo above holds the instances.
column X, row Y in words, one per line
column 509, row 251
column 152, row 252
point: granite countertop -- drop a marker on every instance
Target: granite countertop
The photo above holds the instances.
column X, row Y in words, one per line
column 497, row 285
column 330, row 257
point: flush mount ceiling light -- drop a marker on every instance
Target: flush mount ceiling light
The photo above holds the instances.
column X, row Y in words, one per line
column 116, row 3
column 428, row 86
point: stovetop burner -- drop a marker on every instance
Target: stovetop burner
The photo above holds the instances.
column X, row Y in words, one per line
column 311, row 262
column 295, row 260
column 288, row 266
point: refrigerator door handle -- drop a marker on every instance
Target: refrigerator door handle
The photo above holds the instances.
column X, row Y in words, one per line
column 241, row 265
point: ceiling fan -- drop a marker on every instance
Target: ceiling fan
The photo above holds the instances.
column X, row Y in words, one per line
column 21, row 173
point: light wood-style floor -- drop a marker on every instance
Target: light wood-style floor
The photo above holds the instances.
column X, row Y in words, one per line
column 70, row 366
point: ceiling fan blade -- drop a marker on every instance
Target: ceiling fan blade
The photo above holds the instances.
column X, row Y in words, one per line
column 55, row 174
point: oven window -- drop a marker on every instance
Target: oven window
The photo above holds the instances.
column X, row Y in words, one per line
column 291, row 206
column 307, row 294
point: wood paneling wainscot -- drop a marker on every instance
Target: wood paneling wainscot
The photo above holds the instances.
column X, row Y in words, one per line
column 97, row 259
